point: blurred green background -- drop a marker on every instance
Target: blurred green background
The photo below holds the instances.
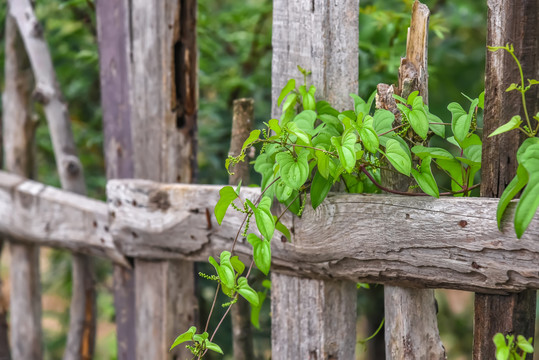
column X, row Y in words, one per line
column 234, row 38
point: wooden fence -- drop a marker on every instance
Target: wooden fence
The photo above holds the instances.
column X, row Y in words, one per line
column 153, row 230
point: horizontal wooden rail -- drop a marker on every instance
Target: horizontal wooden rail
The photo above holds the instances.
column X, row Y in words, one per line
column 33, row 212
column 412, row 241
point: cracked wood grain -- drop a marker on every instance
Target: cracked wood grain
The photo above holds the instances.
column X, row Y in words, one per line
column 416, row 242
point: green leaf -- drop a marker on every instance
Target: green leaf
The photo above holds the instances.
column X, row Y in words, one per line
column 289, row 103
column 261, row 253
column 323, row 107
column 368, row 135
column 263, row 216
column 319, row 189
column 294, row 171
column 473, row 152
column 290, row 85
column 255, row 310
column 273, row 124
column 502, row 353
column 282, row 191
column 247, row 292
column 499, row 340
column 512, row 87
column 346, row 150
column 461, row 122
column 279, row 226
column 438, row 129
column 529, row 200
column 237, row 264
column 252, row 138
column 481, row 99
column 323, row 163
column 305, row 121
column 513, row 188
column 308, row 102
column 226, row 196
column 214, row 347
column 433, row 152
column 398, row 157
column 383, row 121
column 411, row 98
column 186, row 336
column 424, row 178
column 331, row 121
column 303, row 137
column 454, row 168
column 398, row 98
column 524, row 345
column 514, row 123
column 226, row 271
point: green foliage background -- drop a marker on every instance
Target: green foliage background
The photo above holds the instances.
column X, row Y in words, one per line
column 234, row 39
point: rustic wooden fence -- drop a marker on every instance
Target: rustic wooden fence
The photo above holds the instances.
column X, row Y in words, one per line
column 153, row 230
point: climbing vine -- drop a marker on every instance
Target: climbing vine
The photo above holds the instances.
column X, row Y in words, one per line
column 313, row 146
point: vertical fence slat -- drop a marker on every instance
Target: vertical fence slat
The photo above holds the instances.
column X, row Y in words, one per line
column 315, row 319
column 81, row 336
column 516, row 23
column 411, row 327
column 25, row 293
column 113, row 19
column 242, row 124
column 163, row 126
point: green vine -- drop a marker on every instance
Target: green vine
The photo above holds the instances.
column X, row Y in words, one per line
column 313, row 146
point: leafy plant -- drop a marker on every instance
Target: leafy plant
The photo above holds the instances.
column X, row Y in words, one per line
column 527, row 176
column 511, row 350
column 311, row 148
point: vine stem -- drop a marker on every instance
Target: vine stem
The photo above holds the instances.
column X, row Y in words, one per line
column 522, row 91
column 383, row 188
column 212, row 307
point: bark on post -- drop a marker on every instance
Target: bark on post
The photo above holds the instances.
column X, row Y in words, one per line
column 113, row 38
column 149, row 90
column 81, row 336
column 314, row 319
column 242, row 124
column 411, row 327
column 516, row 23
column 25, row 313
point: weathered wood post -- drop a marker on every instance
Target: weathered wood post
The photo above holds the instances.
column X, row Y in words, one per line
column 18, row 135
column 314, row 319
column 242, row 124
column 148, row 75
column 516, row 23
column 411, row 327
column 81, row 336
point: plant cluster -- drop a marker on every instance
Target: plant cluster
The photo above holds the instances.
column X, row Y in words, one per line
column 313, row 146
column 511, row 350
column 527, row 176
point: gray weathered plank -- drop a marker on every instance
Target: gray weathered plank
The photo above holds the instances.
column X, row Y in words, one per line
column 415, row 241
column 163, row 100
column 515, row 313
column 36, row 213
column 81, row 336
column 242, row 124
column 26, row 335
column 113, row 18
column 321, row 37
column 411, row 327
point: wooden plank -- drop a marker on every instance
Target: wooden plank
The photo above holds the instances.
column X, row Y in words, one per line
column 242, row 124
column 414, row 241
column 513, row 314
column 411, row 327
column 35, row 213
column 83, row 304
column 322, row 37
column 113, row 32
column 26, row 335
column 163, row 96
